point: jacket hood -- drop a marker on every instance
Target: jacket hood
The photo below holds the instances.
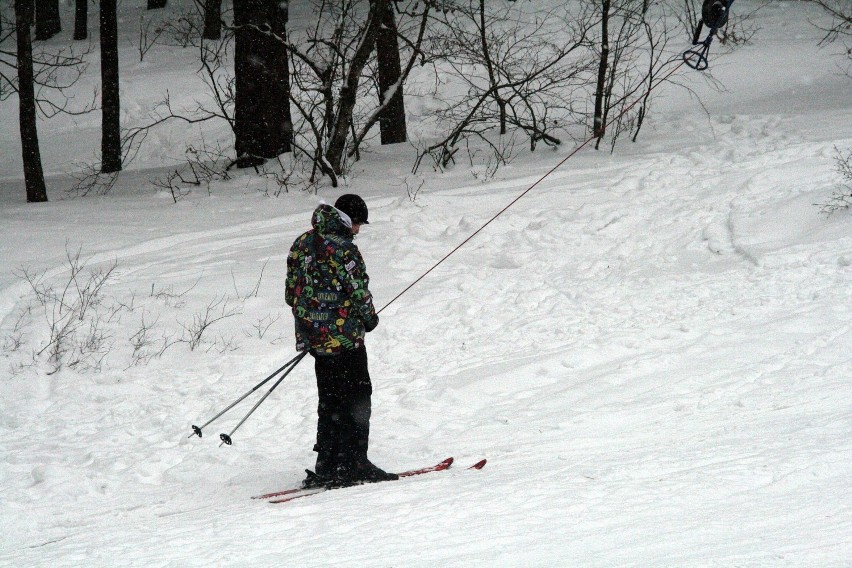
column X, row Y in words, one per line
column 329, row 221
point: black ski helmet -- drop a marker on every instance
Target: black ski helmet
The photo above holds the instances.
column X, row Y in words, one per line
column 353, row 206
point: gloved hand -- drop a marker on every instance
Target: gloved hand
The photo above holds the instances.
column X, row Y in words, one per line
column 370, row 325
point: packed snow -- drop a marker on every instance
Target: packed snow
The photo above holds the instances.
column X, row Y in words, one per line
column 652, row 348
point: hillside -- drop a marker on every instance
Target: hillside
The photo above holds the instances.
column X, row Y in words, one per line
column 652, row 348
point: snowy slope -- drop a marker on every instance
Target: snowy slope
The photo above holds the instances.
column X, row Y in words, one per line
column 652, row 350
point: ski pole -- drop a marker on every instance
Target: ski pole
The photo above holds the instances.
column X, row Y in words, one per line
column 196, row 430
column 226, row 438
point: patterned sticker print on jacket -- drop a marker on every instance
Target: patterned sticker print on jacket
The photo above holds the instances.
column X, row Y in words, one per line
column 328, row 287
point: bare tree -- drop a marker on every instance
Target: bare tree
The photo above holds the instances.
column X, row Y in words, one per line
column 331, row 67
column 656, row 37
column 212, row 19
column 339, row 131
column 632, row 55
column 262, row 124
column 111, row 104
column 840, row 27
column 841, row 16
column 81, row 17
column 33, row 174
column 41, row 77
column 185, row 29
column 842, row 196
column 392, row 119
column 603, row 67
column 47, row 22
column 390, row 112
column 532, row 62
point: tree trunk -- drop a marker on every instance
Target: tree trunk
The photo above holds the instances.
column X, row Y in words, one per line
column 598, row 129
column 33, row 174
column 280, row 95
column 47, row 23
column 262, row 123
column 349, row 90
column 392, row 119
column 489, row 65
column 110, row 103
column 156, row 4
column 81, row 17
column 212, row 19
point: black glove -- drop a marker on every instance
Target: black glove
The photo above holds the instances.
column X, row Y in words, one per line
column 370, row 325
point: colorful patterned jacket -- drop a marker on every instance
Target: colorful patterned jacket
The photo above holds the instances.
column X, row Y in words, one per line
column 327, row 287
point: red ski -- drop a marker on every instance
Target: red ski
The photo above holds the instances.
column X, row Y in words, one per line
column 297, row 493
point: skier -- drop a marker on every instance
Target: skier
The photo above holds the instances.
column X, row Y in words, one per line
column 328, row 289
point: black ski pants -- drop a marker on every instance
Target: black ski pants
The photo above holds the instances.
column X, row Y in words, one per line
column 343, row 413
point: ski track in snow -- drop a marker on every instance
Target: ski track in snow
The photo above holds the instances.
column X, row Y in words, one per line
column 652, row 350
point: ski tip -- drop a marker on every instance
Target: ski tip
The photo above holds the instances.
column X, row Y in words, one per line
column 478, row 465
column 448, row 462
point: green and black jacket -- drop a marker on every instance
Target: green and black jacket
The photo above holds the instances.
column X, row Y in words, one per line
column 328, row 287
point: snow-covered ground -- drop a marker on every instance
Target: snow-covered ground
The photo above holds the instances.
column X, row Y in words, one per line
column 652, row 349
